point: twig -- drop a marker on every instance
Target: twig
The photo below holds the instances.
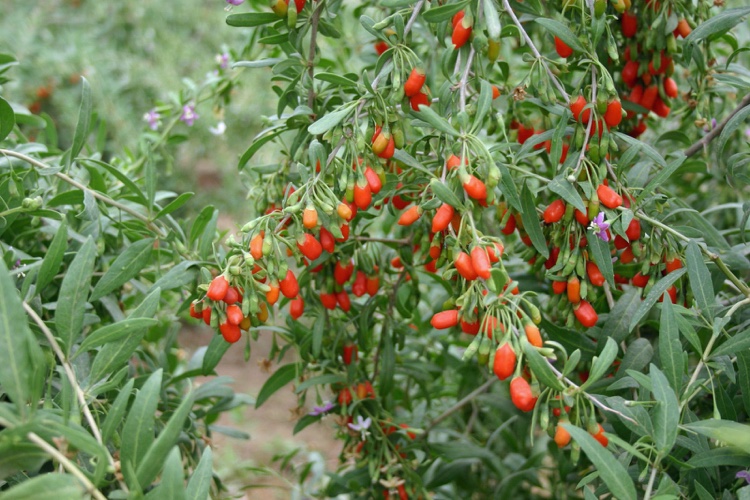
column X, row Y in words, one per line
column 73, row 382
column 703, row 141
column 402, row 241
column 67, row 464
column 95, row 194
column 650, row 485
column 317, row 9
column 534, row 50
column 413, row 18
column 467, row 399
column 590, row 397
column 587, row 135
column 464, row 79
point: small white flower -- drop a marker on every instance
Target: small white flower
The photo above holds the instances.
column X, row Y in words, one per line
column 219, row 129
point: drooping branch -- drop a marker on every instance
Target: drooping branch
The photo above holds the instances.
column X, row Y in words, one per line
column 703, row 142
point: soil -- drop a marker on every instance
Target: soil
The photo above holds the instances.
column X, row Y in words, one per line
column 270, row 426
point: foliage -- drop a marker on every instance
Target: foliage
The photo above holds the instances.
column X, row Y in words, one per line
column 552, row 194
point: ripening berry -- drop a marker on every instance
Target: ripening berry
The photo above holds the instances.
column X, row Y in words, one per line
column 289, row 286
column 234, row 315
column 585, row 314
column 505, row 361
column 373, row 180
column 419, row 98
column 296, row 307
column 465, row 267
column 480, row 262
column 230, row 332
column 410, row 215
column 309, row 246
column 217, row 290
column 562, row 436
column 442, row 218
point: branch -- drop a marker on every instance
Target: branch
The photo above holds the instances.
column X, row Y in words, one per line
column 317, row 9
column 67, row 464
column 467, row 399
column 587, row 136
column 703, row 142
column 78, row 185
column 73, row 382
column 534, row 50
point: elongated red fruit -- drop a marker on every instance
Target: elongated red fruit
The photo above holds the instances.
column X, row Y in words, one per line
column 442, row 218
column 445, row 319
column 585, row 314
column 414, row 83
column 521, row 395
column 309, row 246
column 218, row 288
column 562, row 48
column 505, row 361
column 289, row 286
column 297, row 307
column 465, row 267
column 480, row 261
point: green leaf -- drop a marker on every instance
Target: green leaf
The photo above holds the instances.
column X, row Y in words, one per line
column 484, row 102
column 540, row 367
column 531, row 222
column 172, row 484
column 730, row 433
column 175, row 204
column 258, row 142
column 53, row 258
column 260, row 63
column 200, row 481
column 46, row 486
column 431, row 117
column 125, row 267
column 282, row 376
column 600, row 364
column 612, row 472
column 180, row 275
column 601, row 256
column 562, row 32
column 215, row 351
column 138, row 432
column 336, row 79
column 739, row 343
column 661, row 177
column 7, row 119
column 492, row 18
column 251, row 19
column 444, row 12
column 71, row 302
column 117, row 411
column 718, row 457
column 565, row 189
column 127, row 182
column 743, row 377
column 657, row 291
column 18, row 376
column 508, row 187
column 617, row 324
column 724, row 21
column 637, row 357
column 700, row 279
column 711, row 235
column 201, row 222
column 115, row 331
column 117, row 353
column 670, row 348
column 329, row 120
column 647, row 149
column 84, row 120
column 148, row 468
column 570, row 339
column 666, row 413
column 444, row 193
column 326, row 379
column 731, row 126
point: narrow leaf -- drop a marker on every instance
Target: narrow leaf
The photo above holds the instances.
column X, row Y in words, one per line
column 602, row 363
column 612, row 472
column 565, row 189
column 540, row 367
column 53, row 258
column 44, row 487
column 126, row 266
column 7, row 119
column 657, row 291
column 175, row 204
column 200, row 481
column 117, row 411
column 71, row 302
column 670, row 348
column 282, row 376
column 666, row 413
column 84, row 120
column 329, row 120
column 430, row 116
column 115, row 331
column 601, row 256
column 531, row 222
column 138, row 432
column 172, row 484
column 562, row 32
column 700, row 279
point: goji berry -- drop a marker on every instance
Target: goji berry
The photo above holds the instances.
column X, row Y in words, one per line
column 217, row 290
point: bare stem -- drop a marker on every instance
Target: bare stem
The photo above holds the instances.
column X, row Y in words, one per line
column 413, row 18
column 650, row 485
column 67, row 464
column 460, row 404
column 78, row 185
column 464, row 79
column 317, row 9
column 534, row 50
column 703, row 142
column 587, row 135
column 402, row 241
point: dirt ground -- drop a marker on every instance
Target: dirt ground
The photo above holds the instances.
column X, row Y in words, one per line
column 270, row 426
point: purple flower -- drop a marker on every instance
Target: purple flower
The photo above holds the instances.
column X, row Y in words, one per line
column 153, row 117
column 362, row 424
column 747, row 133
column 188, row 115
column 223, row 60
column 743, row 474
column 235, row 2
column 599, row 226
column 320, row 410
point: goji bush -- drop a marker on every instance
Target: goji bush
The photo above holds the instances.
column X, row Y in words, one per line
column 496, row 234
